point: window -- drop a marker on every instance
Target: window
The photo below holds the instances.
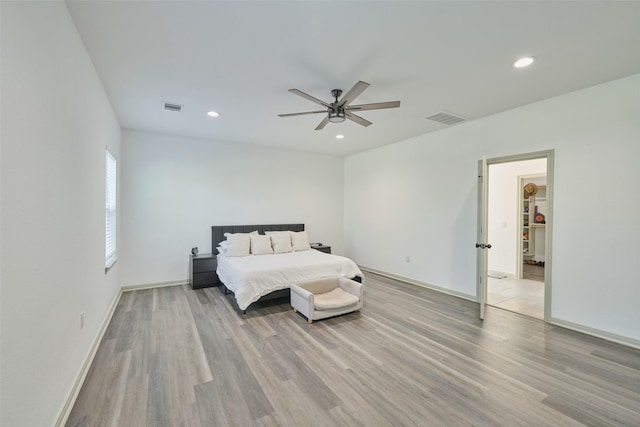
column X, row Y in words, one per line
column 110, row 210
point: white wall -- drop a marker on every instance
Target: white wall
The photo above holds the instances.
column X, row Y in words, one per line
column 504, row 210
column 418, row 198
column 56, row 122
column 176, row 188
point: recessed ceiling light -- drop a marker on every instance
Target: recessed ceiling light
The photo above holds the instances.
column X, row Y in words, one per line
column 524, row 62
column 340, row 136
column 213, row 114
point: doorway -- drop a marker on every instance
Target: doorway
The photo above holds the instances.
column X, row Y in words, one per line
column 518, row 227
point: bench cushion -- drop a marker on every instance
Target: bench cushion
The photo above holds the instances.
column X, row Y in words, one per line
column 334, row 299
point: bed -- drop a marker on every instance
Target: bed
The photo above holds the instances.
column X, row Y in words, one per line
column 258, row 277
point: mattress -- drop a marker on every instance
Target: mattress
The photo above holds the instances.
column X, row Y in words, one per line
column 251, row 277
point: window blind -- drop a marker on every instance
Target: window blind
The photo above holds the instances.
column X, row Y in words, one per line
column 110, row 210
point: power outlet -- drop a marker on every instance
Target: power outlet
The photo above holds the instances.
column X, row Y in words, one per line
column 81, row 319
column 408, row 258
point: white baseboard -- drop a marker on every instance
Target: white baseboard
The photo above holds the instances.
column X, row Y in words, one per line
column 153, row 285
column 422, row 284
column 63, row 416
column 619, row 339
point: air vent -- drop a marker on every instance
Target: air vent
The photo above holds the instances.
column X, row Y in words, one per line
column 446, row 118
column 172, row 107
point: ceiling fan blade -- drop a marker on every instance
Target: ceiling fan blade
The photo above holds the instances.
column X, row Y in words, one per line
column 354, row 118
column 301, row 114
column 323, row 123
column 374, row 106
column 353, row 93
column 309, row 97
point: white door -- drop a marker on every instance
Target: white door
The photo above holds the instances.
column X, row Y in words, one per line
column 481, row 244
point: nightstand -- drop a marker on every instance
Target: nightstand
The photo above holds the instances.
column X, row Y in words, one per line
column 322, row 248
column 203, row 271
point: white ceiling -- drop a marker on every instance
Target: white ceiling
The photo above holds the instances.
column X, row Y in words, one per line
column 240, row 58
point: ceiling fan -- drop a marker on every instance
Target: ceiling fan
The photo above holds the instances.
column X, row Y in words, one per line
column 340, row 109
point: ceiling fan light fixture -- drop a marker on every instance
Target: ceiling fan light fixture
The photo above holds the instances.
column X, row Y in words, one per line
column 337, row 116
column 339, row 136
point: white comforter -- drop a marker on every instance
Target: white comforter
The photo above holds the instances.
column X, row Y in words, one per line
column 254, row 276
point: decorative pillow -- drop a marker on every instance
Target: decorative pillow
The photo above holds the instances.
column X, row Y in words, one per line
column 237, row 244
column 300, row 241
column 260, row 245
column 281, row 242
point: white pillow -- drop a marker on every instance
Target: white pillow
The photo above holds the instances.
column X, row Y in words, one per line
column 237, row 244
column 254, row 232
column 281, row 242
column 300, row 241
column 260, row 245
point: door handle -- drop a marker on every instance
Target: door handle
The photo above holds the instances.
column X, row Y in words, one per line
column 483, row 246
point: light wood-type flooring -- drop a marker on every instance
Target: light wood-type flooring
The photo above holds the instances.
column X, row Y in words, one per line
column 412, row 357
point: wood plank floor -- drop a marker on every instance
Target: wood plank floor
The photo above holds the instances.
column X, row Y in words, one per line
column 177, row 357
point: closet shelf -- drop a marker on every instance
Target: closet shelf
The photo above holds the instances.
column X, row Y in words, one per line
column 530, row 231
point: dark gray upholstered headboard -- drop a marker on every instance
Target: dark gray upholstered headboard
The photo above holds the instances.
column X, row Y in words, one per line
column 217, row 231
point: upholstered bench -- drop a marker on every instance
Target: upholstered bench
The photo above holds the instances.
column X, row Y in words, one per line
column 326, row 297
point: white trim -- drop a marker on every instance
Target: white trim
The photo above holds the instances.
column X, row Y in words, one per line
column 153, row 285
column 482, row 235
column 109, row 262
column 111, row 210
column 598, row 333
column 548, row 268
column 422, row 284
column 548, row 234
column 65, row 411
